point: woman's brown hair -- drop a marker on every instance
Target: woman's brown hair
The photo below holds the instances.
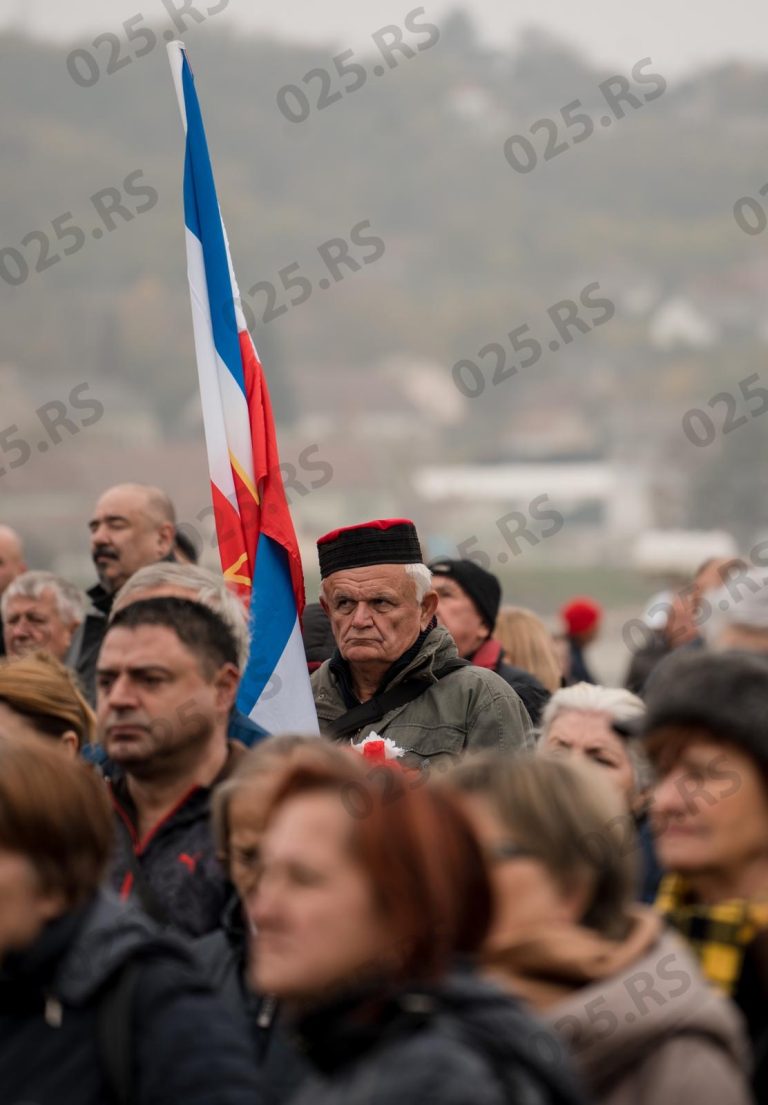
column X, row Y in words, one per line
column 568, row 817
column 417, row 848
column 46, row 694
column 54, row 811
column 528, row 644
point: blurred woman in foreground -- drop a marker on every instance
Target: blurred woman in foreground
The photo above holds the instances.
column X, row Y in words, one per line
column 369, row 893
column 96, row 1005
column 40, row 697
column 624, row 994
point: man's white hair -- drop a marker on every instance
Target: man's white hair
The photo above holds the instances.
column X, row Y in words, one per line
column 209, row 590
column 422, row 578
column 618, row 704
column 71, row 602
column 419, row 573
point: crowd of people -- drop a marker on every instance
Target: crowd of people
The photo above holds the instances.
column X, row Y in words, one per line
column 489, row 880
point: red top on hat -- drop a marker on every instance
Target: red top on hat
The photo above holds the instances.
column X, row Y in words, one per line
column 379, row 523
column 580, row 615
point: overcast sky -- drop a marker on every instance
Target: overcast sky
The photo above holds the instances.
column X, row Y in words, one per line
column 677, row 34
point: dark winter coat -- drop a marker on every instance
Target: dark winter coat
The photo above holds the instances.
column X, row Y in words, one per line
column 462, row 1042
column 534, row 695
column 222, row 956
column 186, row 1047
column 184, row 886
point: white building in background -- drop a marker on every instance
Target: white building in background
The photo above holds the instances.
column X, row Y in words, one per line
column 604, row 505
column 678, row 322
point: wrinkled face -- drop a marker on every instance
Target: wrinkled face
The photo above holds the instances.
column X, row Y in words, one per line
column 126, row 536
column 374, row 612
column 526, row 894
column 317, row 926
column 31, row 624
column 156, row 706
column 709, row 810
column 588, row 734
column 11, row 560
column 24, row 907
column 458, row 613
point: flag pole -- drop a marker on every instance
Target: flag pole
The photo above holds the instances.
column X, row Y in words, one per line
column 176, row 51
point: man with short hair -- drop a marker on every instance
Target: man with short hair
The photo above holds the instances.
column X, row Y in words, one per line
column 11, row 564
column 41, row 610
column 395, row 671
column 132, row 525
column 469, row 605
column 190, row 581
column 167, row 678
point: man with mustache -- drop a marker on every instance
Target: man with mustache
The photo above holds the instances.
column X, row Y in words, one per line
column 131, row 526
column 167, row 679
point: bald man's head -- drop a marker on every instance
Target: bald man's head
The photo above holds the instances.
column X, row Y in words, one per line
column 132, row 525
column 11, row 556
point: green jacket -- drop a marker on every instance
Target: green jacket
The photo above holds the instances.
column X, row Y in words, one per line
column 470, row 709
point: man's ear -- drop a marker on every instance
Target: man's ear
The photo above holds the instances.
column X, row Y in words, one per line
column 226, row 682
column 324, row 604
column 166, row 535
column 428, row 607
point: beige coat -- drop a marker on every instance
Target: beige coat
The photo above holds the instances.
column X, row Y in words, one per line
column 642, row 1028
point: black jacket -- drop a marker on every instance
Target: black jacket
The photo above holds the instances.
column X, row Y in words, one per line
column 183, row 885
column 222, row 956
column 460, row 1043
column 186, row 1047
column 86, row 644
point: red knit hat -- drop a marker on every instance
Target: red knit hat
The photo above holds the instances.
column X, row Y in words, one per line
column 580, row 615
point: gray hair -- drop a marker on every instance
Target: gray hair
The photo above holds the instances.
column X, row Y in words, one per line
column 419, row 573
column 209, row 590
column 71, row 602
column 422, row 578
column 732, row 606
column 617, row 703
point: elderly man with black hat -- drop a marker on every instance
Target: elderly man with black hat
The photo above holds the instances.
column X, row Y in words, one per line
column 395, row 672
column 469, row 599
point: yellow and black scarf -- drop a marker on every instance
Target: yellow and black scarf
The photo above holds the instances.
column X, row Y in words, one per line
column 718, row 934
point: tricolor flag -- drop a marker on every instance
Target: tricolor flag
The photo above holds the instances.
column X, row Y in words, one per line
column 257, row 542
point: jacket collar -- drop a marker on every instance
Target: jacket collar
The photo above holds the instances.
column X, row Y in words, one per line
column 488, row 655
column 341, row 669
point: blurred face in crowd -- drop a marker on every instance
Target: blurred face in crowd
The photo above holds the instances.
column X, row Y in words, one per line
column 588, row 734
column 127, row 533
column 709, row 813
column 11, row 557
column 374, row 613
column 158, row 708
column 458, row 613
column 246, row 817
column 526, row 894
column 313, row 909
column 25, row 908
column 35, row 623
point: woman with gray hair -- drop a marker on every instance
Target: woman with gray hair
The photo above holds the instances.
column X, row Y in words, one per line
column 581, row 720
